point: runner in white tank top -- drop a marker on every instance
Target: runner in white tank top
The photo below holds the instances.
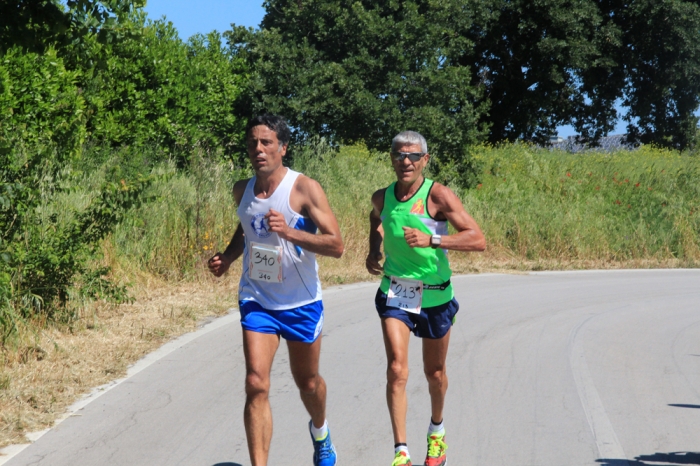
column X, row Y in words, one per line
column 299, row 284
column 280, row 294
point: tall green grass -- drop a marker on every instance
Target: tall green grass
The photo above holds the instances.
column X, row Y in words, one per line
column 538, row 204
column 532, row 203
column 192, row 215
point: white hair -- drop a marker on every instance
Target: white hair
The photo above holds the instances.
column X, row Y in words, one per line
column 405, row 138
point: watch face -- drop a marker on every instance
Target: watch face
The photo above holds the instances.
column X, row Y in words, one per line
column 435, row 240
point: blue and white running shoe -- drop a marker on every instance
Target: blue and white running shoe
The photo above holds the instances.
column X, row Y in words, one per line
column 324, row 450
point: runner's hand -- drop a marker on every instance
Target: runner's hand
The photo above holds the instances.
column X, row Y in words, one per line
column 219, row 264
column 416, row 238
column 277, row 223
column 373, row 265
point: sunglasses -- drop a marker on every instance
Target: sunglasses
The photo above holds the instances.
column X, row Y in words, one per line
column 412, row 156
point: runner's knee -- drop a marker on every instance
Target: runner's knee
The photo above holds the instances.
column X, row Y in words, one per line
column 256, row 385
column 308, row 385
column 436, row 376
column 397, row 373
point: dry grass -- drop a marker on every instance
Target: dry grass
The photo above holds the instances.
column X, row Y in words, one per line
column 47, row 373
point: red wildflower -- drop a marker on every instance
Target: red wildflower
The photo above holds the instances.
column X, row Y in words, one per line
column 568, row 174
column 636, row 185
column 618, row 202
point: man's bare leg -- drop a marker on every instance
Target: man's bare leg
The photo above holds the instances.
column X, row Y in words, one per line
column 396, row 337
column 259, row 350
column 304, row 362
column 434, row 357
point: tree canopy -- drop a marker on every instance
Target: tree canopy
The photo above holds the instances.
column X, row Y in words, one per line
column 34, row 25
column 365, row 70
column 467, row 70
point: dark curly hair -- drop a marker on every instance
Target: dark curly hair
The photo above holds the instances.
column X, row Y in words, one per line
column 276, row 123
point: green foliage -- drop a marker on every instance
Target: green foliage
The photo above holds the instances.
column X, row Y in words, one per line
column 34, row 25
column 662, row 65
column 530, row 57
column 120, row 80
column 40, row 104
column 364, row 72
column 49, row 246
column 460, row 70
column 77, row 81
column 157, row 90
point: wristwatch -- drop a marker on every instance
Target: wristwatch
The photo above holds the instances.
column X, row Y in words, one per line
column 435, row 241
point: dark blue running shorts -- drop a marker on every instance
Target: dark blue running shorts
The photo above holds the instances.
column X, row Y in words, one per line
column 303, row 324
column 432, row 322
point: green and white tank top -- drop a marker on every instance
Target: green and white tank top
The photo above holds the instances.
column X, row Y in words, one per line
column 426, row 264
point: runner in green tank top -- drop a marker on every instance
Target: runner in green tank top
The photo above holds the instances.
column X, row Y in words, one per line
column 410, row 218
column 429, row 265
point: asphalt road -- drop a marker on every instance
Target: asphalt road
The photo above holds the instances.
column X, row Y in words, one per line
column 546, row 369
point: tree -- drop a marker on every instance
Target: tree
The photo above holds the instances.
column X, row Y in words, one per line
column 364, row 71
column 661, row 62
column 34, row 25
column 529, row 56
column 552, row 62
column 460, row 70
column 155, row 89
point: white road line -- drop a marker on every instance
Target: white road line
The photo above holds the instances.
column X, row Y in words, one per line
column 7, row 453
column 605, row 438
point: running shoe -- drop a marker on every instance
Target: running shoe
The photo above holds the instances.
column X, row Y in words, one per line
column 402, row 459
column 436, row 450
column 324, row 450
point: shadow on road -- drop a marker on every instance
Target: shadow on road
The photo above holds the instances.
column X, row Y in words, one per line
column 657, row 459
column 226, row 464
column 685, row 406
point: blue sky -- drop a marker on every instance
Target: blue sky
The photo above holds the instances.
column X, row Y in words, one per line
column 206, row 15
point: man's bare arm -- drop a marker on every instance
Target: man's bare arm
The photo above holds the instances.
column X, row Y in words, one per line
column 375, row 235
column 468, row 237
column 329, row 242
column 220, row 262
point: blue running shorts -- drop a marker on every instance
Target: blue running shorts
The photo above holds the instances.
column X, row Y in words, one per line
column 432, row 322
column 303, row 324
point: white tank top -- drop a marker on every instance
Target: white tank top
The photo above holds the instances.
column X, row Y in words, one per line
column 300, row 283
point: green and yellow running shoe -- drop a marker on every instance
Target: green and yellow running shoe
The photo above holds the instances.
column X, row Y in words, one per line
column 436, row 450
column 402, row 459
